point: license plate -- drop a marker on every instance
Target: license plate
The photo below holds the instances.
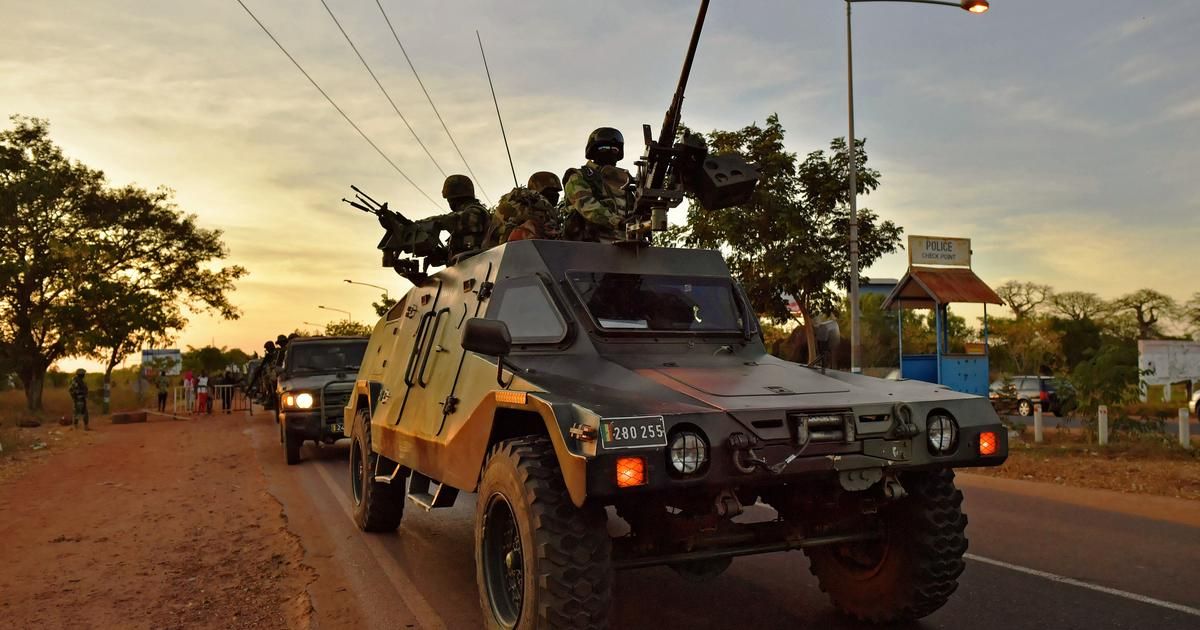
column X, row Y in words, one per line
column 641, row 432
column 337, row 428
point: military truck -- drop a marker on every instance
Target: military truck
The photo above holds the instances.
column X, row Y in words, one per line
column 314, row 383
column 575, row 386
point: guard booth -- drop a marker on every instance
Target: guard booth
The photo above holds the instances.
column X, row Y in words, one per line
column 939, row 274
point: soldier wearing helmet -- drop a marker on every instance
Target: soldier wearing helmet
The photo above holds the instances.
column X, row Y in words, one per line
column 528, row 212
column 598, row 194
column 79, row 391
column 468, row 220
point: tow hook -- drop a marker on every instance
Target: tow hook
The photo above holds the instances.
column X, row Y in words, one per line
column 727, row 504
column 745, row 460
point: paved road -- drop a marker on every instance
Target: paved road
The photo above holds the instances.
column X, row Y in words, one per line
column 1069, row 559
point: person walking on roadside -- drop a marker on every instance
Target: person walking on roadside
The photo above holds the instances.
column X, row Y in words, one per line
column 79, row 391
column 162, row 384
column 203, row 404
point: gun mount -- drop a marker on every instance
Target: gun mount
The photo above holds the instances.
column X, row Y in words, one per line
column 410, row 247
column 668, row 169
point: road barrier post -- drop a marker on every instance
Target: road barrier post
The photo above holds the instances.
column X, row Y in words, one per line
column 1037, row 423
column 1102, row 424
column 1185, row 430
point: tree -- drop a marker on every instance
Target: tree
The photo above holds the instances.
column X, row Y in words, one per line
column 347, row 328
column 1078, row 305
column 1023, row 298
column 790, row 238
column 211, row 359
column 1148, row 306
column 1026, row 346
column 89, row 270
column 384, row 304
column 1191, row 315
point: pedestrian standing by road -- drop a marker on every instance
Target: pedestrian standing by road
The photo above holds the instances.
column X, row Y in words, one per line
column 162, row 383
column 79, row 391
column 189, row 392
column 228, row 380
column 203, row 404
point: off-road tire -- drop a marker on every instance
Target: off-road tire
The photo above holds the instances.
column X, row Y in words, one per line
column 923, row 547
column 566, row 551
column 378, row 506
column 291, row 446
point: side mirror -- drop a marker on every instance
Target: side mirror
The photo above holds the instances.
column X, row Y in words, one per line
column 487, row 336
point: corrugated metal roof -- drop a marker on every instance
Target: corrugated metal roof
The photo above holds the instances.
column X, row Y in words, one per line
column 924, row 287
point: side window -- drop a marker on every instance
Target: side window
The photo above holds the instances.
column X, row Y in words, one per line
column 525, row 305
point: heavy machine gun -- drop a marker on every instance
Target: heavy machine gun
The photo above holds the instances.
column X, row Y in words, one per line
column 420, row 240
column 668, row 169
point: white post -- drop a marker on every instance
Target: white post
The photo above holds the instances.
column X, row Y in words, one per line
column 1037, row 423
column 1185, row 430
column 1167, row 392
column 1102, row 422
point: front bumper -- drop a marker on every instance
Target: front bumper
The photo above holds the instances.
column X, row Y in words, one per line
column 308, row 424
column 820, row 461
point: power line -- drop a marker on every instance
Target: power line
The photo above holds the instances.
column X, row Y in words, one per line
column 335, row 105
column 430, row 99
column 497, row 103
column 381, row 88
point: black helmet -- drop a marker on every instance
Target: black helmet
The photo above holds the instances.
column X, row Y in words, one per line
column 605, row 145
column 457, row 186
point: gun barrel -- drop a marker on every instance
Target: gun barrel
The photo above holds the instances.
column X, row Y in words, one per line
column 674, row 114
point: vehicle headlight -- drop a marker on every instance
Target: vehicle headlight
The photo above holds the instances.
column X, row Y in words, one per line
column 942, row 432
column 304, row 400
column 689, row 452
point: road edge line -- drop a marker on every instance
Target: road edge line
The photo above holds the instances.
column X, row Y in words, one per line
column 426, row 616
column 1062, row 579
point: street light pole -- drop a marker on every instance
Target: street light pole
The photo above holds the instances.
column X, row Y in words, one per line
column 365, row 284
column 336, row 310
column 972, row 6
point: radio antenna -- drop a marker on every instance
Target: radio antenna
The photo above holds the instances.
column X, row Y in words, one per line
column 497, row 104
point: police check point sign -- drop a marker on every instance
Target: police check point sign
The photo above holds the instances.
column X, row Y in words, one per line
column 938, row 250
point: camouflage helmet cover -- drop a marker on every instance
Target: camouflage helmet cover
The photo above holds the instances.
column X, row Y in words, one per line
column 542, row 180
column 605, row 138
column 81, row 371
column 457, row 186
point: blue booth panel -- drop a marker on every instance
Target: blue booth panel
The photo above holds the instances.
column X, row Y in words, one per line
column 966, row 373
column 919, row 367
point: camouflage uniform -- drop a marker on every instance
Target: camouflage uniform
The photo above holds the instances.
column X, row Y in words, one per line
column 599, row 195
column 79, row 391
column 468, row 220
column 528, row 212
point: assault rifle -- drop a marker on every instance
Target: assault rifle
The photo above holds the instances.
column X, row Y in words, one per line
column 669, row 169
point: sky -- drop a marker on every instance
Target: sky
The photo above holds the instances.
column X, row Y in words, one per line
column 1061, row 137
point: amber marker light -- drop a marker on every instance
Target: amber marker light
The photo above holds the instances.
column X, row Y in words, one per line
column 512, row 398
column 987, row 443
column 976, row 6
column 631, row 472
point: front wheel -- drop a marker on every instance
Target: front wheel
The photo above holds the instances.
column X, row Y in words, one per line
column 1024, row 408
column 540, row 561
column 912, row 570
column 378, row 506
column 291, row 445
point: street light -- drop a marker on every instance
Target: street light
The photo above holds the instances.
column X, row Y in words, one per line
column 336, row 310
column 313, row 324
column 384, row 289
column 973, row 6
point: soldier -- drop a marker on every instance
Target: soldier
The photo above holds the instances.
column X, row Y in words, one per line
column 598, row 194
column 530, row 212
column 79, row 391
column 468, row 219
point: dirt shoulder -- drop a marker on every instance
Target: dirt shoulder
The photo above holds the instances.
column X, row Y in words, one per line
column 1149, row 466
column 166, row 524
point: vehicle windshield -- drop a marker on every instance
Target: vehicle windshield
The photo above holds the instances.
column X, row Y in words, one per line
column 625, row 301
column 330, row 356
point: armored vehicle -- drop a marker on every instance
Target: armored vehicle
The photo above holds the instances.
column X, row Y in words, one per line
column 314, row 382
column 575, row 386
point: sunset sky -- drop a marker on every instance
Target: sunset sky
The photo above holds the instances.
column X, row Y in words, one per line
column 1060, row 136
